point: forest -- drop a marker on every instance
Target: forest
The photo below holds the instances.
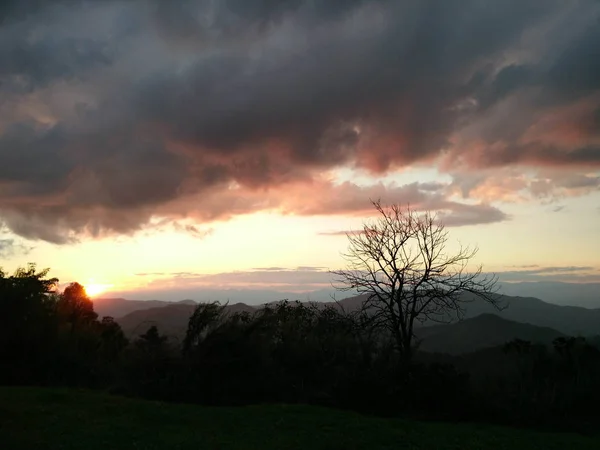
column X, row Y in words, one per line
column 288, row 352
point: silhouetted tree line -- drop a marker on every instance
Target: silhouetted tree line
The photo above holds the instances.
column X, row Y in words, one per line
column 52, row 338
column 291, row 353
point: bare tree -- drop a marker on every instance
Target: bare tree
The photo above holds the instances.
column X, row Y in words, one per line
column 401, row 261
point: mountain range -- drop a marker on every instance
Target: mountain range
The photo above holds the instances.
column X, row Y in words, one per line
column 585, row 294
column 483, row 326
column 483, row 331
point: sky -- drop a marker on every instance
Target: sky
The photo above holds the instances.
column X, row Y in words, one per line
column 152, row 148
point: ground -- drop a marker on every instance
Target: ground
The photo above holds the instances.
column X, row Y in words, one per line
column 34, row 418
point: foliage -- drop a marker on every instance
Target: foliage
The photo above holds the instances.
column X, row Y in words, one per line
column 289, row 352
column 52, row 337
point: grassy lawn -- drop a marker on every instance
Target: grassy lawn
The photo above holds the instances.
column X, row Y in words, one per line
column 32, row 418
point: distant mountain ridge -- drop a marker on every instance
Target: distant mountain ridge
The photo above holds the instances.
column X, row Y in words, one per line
column 585, row 294
column 483, row 331
column 119, row 307
column 171, row 320
column 524, row 318
column 571, row 320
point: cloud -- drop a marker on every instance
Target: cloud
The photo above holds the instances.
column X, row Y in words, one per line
column 115, row 113
column 11, row 247
column 151, row 274
column 351, row 199
column 451, row 214
column 555, row 269
column 514, row 185
column 300, row 279
column 339, row 232
column 193, row 230
column 267, row 284
column 553, row 273
column 348, row 199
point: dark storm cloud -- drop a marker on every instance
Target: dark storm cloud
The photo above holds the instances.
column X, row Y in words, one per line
column 398, row 73
column 576, row 72
column 569, row 74
column 53, row 188
column 200, row 20
column 42, row 42
column 16, row 10
column 542, row 154
column 572, row 71
column 34, row 157
column 39, row 61
column 121, row 111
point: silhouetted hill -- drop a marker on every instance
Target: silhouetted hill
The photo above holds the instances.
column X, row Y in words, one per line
column 171, row 319
column 570, row 320
column 119, row 307
column 352, row 303
column 586, row 295
column 486, row 330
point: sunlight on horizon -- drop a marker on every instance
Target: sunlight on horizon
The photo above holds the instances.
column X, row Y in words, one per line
column 273, row 240
column 94, row 289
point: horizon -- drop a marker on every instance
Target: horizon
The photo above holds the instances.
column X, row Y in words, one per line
column 190, row 147
column 582, row 294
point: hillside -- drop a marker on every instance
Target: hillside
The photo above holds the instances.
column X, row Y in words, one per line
column 486, row 330
column 171, row 320
column 586, row 295
column 64, row 419
column 173, row 317
column 570, row 320
column 119, row 307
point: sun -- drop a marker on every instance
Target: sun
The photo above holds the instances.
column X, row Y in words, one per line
column 94, row 289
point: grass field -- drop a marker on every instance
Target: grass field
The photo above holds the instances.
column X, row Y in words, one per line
column 33, row 418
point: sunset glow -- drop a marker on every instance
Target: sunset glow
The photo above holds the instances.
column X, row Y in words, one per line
column 94, row 289
column 269, row 202
column 175, row 162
